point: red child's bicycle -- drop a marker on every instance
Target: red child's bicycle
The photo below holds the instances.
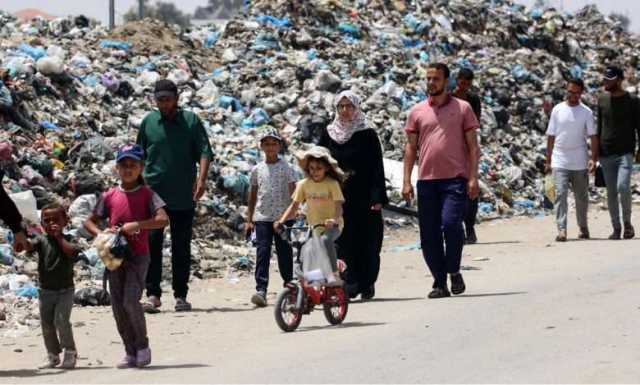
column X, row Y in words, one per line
column 300, row 297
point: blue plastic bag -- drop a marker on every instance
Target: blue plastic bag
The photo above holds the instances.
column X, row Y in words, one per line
column 35, row 52
column 27, row 291
column 229, row 101
column 265, row 42
column 349, row 29
column 211, row 39
column 49, row 126
column 116, row 44
column 280, row 23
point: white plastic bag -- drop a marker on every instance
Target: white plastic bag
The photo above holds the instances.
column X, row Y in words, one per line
column 315, row 261
column 26, row 203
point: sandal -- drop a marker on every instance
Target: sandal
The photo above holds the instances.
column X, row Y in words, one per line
column 152, row 305
column 562, row 236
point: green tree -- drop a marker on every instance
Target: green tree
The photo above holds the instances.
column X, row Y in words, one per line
column 164, row 11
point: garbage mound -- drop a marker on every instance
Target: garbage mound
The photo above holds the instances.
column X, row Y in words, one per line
column 78, row 91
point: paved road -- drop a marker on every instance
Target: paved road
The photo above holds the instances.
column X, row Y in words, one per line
column 535, row 311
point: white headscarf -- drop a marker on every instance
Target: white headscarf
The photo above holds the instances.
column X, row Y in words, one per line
column 341, row 130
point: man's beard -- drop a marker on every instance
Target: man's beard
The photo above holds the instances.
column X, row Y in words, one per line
column 436, row 92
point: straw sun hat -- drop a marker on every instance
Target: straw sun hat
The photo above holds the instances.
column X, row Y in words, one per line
column 318, row 152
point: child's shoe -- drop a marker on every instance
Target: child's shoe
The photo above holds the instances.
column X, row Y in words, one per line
column 143, row 358
column 259, row 298
column 52, row 361
column 69, row 360
column 127, row 362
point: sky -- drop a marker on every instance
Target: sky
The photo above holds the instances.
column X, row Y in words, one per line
column 99, row 8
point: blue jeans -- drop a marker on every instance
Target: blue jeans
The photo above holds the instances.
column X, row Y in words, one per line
column 264, row 238
column 441, row 209
column 617, row 175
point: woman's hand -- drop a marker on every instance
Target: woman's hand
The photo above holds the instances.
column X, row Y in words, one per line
column 330, row 223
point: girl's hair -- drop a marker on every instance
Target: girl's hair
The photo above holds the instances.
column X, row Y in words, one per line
column 331, row 172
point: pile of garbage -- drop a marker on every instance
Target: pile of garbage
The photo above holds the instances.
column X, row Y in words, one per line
column 83, row 90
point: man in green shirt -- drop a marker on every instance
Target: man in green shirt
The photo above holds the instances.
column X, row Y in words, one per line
column 174, row 141
column 618, row 125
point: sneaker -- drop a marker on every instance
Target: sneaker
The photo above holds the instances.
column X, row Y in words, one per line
column 629, row 232
column 143, row 357
column 127, row 362
column 152, row 305
column 616, row 234
column 50, row 362
column 439, row 292
column 368, row 293
column 457, row 284
column 182, row 305
column 584, row 233
column 259, row 298
column 69, row 360
column 471, row 237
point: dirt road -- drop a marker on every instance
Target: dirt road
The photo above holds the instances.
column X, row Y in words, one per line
column 534, row 311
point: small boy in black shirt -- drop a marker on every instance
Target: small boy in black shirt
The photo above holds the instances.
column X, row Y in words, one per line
column 56, row 256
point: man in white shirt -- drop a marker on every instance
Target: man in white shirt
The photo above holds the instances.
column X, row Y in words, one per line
column 570, row 124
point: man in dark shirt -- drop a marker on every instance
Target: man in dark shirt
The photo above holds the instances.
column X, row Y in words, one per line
column 464, row 82
column 11, row 216
column 174, row 141
column 618, row 125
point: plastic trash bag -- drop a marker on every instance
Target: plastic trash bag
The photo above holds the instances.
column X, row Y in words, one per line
column 50, row 65
column 116, row 44
column 316, row 266
column 550, row 188
column 27, row 206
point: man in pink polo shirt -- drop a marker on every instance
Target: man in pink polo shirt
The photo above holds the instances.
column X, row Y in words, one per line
column 441, row 134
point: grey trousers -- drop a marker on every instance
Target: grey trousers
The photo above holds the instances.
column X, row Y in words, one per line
column 329, row 238
column 55, row 315
column 126, row 284
column 617, row 175
column 578, row 180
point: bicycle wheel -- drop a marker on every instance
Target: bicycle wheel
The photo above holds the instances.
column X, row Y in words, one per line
column 287, row 316
column 336, row 305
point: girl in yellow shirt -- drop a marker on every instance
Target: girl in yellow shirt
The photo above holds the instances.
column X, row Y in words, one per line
column 321, row 193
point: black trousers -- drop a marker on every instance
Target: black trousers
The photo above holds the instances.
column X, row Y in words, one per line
column 181, row 227
column 360, row 244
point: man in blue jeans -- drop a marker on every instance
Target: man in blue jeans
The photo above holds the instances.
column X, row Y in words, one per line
column 618, row 125
column 441, row 133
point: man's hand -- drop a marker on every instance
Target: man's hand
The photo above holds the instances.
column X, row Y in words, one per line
column 407, row 192
column 198, row 190
column 547, row 168
column 473, row 188
column 131, row 228
column 591, row 167
column 376, row 207
column 20, row 241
